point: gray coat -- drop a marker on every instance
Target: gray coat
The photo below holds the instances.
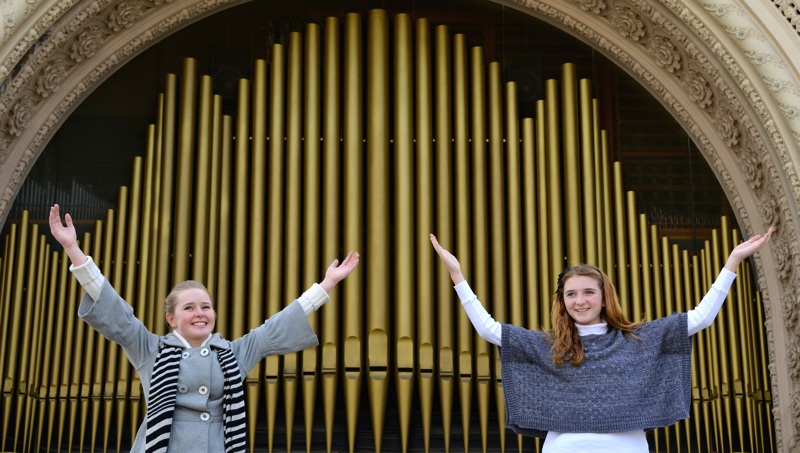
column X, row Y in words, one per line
column 197, row 421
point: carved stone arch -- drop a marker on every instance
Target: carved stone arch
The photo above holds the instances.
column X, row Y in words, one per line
column 686, row 54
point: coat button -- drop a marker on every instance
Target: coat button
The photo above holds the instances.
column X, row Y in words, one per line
column 182, row 388
column 203, row 390
column 204, row 416
column 186, row 355
column 204, row 352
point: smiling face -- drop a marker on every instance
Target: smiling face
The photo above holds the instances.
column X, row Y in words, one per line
column 192, row 315
column 583, row 299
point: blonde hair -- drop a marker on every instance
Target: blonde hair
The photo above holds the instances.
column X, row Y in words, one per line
column 567, row 344
column 172, row 298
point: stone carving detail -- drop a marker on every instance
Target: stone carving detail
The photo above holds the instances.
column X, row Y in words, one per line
column 664, row 52
column 727, row 126
column 627, row 22
column 783, row 259
column 698, row 87
column 20, row 115
column 595, row 6
column 86, row 43
column 791, row 300
column 770, row 211
column 51, row 77
column 789, row 10
column 125, row 14
column 751, row 167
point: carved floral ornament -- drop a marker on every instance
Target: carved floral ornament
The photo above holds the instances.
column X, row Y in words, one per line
column 698, row 87
column 86, row 43
column 627, row 22
column 125, row 14
column 20, row 115
column 51, row 77
column 752, row 168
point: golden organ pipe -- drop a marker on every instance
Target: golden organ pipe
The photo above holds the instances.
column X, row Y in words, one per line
column 119, row 243
column 404, row 206
column 607, row 207
column 240, row 208
column 530, row 230
column 377, row 206
column 714, row 352
column 587, row 173
column 645, row 268
column 720, row 330
column 274, row 222
column 132, row 251
column 330, row 339
column 573, row 204
column 211, row 264
column 497, row 235
column 603, row 208
column 353, row 191
column 636, row 269
column 426, row 270
column 224, row 219
column 514, row 239
column 202, row 187
column 292, row 212
column 50, row 353
column 482, row 372
column 165, row 209
column 183, row 183
column 94, row 381
column 754, row 385
column 454, row 358
column 554, row 178
column 736, row 386
column 77, row 329
column 151, row 237
column 514, row 192
column 86, row 357
column 312, row 211
column 620, row 235
column 543, row 208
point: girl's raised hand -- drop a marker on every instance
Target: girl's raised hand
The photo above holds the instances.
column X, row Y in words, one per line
column 450, row 261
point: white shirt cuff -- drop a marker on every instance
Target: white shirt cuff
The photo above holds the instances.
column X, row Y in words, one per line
column 725, row 279
column 90, row 277
column 313, row 298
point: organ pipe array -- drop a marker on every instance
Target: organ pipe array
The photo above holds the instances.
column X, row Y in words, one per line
column 367, row 134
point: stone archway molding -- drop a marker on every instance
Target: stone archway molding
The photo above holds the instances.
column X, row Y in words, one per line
column 726, row 70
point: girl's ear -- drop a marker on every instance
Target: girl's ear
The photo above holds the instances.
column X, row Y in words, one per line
column 169, row 319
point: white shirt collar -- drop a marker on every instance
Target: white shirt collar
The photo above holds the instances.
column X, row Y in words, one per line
column 186, row 343
column 594, row 329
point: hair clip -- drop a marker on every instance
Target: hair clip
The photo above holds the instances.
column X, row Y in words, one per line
column 560, row 281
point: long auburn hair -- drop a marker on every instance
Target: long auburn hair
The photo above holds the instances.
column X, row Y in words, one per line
column 567, row 344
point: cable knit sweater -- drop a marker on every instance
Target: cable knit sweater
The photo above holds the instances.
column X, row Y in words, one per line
column 624, row 384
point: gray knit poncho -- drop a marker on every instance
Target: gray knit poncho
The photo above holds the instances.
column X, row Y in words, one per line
column 623, row 385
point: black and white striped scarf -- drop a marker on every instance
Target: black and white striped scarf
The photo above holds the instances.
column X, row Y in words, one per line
column 164, row 388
